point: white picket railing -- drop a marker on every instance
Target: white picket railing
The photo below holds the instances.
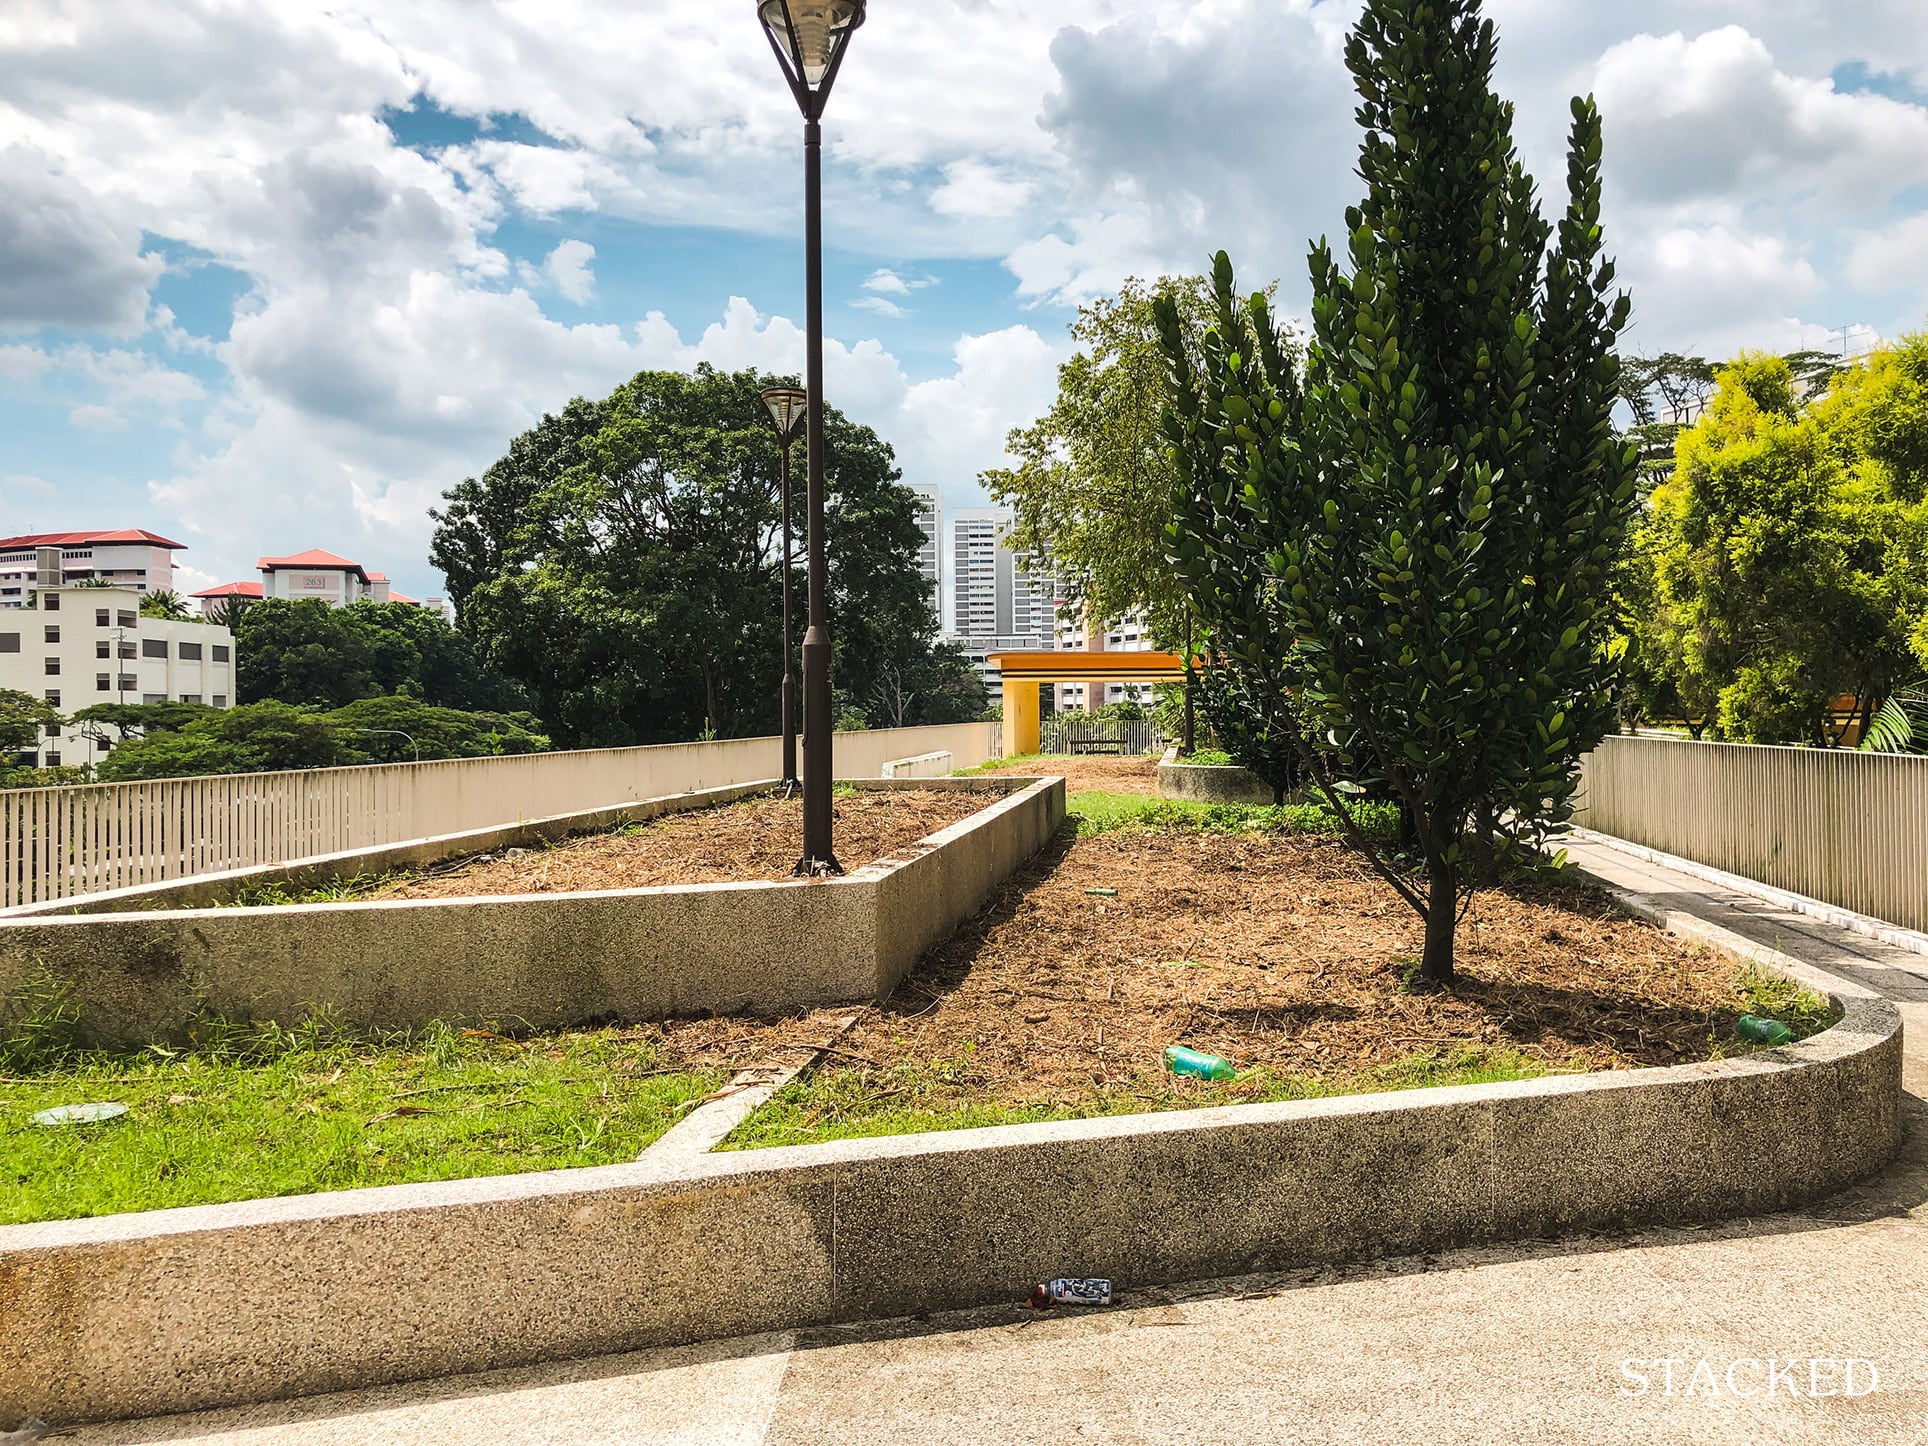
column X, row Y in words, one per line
column 1850, row 829
column 59, row 842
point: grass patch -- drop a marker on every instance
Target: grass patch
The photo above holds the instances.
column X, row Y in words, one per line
column 250, row 1113
column 1209, row 758
column 1000, row 765
column 1770, row 996
column 918, row 1097
column 1090, row 814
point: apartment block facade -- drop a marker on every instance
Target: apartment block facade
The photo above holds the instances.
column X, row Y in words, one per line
column 77, row 646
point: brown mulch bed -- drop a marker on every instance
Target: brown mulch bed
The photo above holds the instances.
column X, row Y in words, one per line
column 1281, row 952
column 1093, row 772
column 757, row 839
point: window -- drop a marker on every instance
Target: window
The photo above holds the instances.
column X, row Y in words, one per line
column 128, row 620
column 100, row 617
column 190, row 652
column 129, row 682
column 53, row 696
column 220, row 700
column 9, row 642
column 53, row 667
column 103, row 683
column 103, row 649
column 104, row 746
column 153, row 697
column 53, row 632
column 220, row 651
column 127, row 650
column 50, row 603
column 153, row 648
column 53, row 758
column 52, row 730
column 190, row 697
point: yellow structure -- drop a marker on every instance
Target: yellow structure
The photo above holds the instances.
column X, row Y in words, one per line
column 1024, row 673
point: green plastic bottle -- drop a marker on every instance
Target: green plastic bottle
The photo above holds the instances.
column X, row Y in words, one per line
column 1756, row 1030
column 1180, row 1060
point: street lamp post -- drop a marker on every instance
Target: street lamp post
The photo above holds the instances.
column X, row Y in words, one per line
column 787, row 407
column 810, row 38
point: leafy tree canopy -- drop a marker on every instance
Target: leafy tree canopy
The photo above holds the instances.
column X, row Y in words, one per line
column 1411, row 537
column 623, row 563
column 371, row 726
column 254, row 738
column 23, row 719
column 308, row 653
column 1785, row 562
column 1092, row 488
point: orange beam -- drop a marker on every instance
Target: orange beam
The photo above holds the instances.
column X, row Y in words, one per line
column 1076, row 667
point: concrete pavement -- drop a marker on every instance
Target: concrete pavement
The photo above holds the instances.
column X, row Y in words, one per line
column 1557, row 1342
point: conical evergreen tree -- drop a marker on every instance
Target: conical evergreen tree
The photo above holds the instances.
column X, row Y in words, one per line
column 1413, row 538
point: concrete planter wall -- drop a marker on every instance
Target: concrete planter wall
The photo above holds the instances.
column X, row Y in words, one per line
column 1208, row 784
column 181, row 1309
column 551, row 960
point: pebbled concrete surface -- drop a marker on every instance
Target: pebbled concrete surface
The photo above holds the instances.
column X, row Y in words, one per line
column 1510, row 1344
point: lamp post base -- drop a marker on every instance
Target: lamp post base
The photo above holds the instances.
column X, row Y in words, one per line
column 818, row 869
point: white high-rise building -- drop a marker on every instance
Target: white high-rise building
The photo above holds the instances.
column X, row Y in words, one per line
column 982, row 572
column 930, row 517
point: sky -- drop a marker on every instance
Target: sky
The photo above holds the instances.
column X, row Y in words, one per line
column 274, row 274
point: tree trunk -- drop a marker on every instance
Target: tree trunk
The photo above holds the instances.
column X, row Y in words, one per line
column 1442, row 918
column 1486, row 861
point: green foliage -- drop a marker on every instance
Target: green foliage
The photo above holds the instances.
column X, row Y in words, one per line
column 164, row 603
column 1411, row 539
column 113, row 722
column 1099, row 813
column 1211, row 758
column 39, row 1024
column 1901, row 726
column 254, row 738
column 308, row 653
column 1253, row 718
column 369, row 725
column 1092, row 488
column 623, row 562
column 23, row 720
column 1770, row 996
column 1785, row 562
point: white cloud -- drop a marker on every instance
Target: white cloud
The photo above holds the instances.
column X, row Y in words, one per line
column 975, row 191
column 94, row 418
column 879, row 305
column 22, row 363
column 1714, row 116
column 1893, row 260
column 568, row 270
column 65, row 259
column 1715, row 291
column 886, row 282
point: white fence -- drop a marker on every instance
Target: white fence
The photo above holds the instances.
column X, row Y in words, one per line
column 59, row 842
column 1848, row 828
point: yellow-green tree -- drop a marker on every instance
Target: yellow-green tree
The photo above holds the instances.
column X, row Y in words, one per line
column 1781, row 566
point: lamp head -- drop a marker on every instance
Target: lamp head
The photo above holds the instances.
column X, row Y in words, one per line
column 810, row 37
column 789, row 408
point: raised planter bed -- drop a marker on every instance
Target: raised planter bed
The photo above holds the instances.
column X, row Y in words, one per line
column 176, row 1310
column 1200, row 783
column 141, row 974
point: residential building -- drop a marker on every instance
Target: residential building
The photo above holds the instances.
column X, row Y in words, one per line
column 77, row 646
column 930, row 517
column 314, row 575
column 996, row 593
column 129, row 558
column 1128, row 635
column 977, row 649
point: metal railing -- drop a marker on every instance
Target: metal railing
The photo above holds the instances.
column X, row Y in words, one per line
column 1075, row 733
column 59, row 842
column 1847, row 828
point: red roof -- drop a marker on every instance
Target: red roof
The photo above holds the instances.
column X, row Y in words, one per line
column 232, row 589
column 314, row 557
column 402, row 597
column 82, row 539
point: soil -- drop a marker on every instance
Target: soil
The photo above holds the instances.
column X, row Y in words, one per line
column 1279, row 952
column 1092, row 772
column 757, row 839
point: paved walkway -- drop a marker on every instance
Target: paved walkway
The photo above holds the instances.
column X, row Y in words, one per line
column 1514, row 1345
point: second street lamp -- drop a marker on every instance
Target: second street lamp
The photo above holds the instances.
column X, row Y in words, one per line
column 787, row 406
column 810, row 38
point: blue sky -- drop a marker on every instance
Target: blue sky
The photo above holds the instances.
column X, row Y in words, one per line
column 274, row 275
